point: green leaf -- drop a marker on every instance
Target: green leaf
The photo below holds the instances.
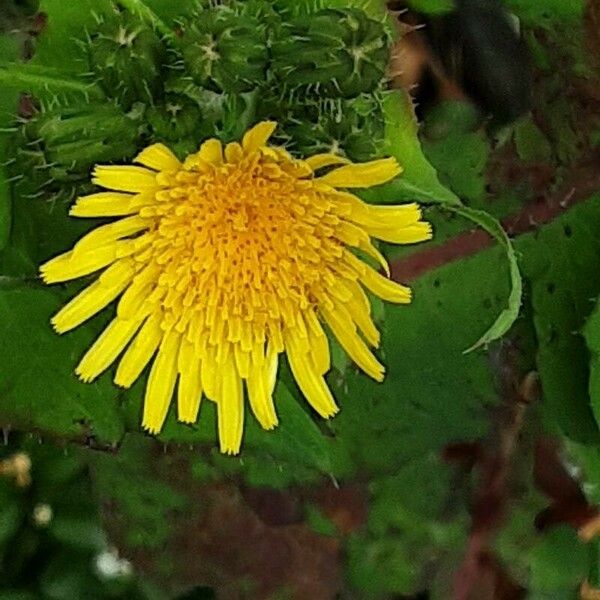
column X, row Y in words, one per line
column 432, row 7
column 296, row 442
column 58, row 46
column 374, row 8
column 297, row 439
column 142, row 499
column 319, row 522
column 453, row 125
column 560, row 262
column 509, row 315
column 433, row 393
column 540, row 12
column 407, row 518
column 559, row 561
column 419, row 180
column 532, row 145
column 587, row 459
column 5, row 208
column 10, row 521
column 382, row 567
column 45, row 82
column 67, row 576
column 39, row 388
column 592, row 337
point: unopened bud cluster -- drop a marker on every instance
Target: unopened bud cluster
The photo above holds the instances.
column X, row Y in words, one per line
column 317, row 71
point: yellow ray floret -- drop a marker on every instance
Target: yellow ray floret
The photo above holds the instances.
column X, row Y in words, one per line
column 223, row 262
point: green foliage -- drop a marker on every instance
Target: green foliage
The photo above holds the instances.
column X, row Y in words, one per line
column 5, row 208
column 592, row 336
column 454, row 125
column 559, row 561
column 544, row 12
column 560, row 262
column 141, row 500
column 419, row 180
column 59, row 48
column 296, row 451
column 433, row 393
column 531, row 144
column 51, row 539
column 432, row 7
column 40, row 390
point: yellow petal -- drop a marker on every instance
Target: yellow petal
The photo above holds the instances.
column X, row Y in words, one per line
column 95, row 297
column 161, row 383
column 342, row 327
column 140, row 352
column 319, row 161
column 409, row 234
column 233, row 153
column 189, row 392
column 360, row 311
column 125, row 178
column 108, row 234
column 104, row 204
column 260, row 383
column 313, row 386
column 159, row 158
column 211, row 152
column 107, row 348
column 64, row 268
column 320, row 349
column 385, row 288
column 381, row 286
column 257, row 137
column 209, row 373
column 138, row 292
column 367, row 247
column 230, row 409
column 363, row 175
column 242, row 360
column 371, row 215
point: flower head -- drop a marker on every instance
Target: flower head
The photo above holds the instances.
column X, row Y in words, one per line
column 224, row 262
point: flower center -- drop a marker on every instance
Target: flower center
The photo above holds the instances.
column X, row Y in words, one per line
column 250, row 238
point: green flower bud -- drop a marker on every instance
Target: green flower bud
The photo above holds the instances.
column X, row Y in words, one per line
column 60, row 146
column 175, row 118
column 225, row 49
column 176, row 122
column 352, row 128
column 336, row 52
column 128, row 58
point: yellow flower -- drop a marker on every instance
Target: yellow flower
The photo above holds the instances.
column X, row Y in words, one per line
column 224, row 262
